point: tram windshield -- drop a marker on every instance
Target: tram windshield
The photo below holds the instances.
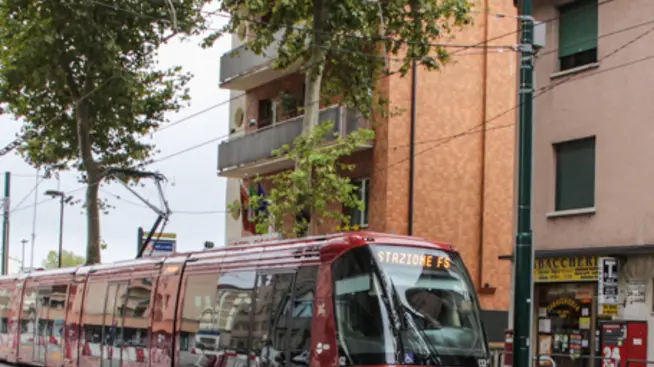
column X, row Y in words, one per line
column 404, row 305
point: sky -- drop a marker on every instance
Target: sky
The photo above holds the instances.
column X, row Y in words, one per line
column 195, row 193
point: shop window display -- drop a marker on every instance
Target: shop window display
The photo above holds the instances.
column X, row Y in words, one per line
column 566, row 323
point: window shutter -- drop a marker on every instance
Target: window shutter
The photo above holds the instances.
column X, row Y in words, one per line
column 578, row 27
column 575, row 174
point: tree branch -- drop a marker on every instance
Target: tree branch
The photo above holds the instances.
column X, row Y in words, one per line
column 70, row 80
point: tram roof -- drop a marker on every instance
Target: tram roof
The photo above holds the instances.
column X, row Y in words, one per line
column 306, row 246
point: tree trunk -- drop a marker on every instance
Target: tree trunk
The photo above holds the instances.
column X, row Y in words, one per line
column 313, row 84
column 94, row 176
column 92, row 223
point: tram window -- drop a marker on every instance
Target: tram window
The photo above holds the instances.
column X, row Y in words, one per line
column 5, row 298
column 74, row 309
column 57, row 311
column 28, row 315
column 136, row 310
column 93, row 311
column 232, row 310
column 199, row 293
column 299, row 342
column 269, row 327
column 44, row 296
column 362, row 319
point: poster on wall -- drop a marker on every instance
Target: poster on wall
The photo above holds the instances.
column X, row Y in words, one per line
column 607, row 285
column 635, row 292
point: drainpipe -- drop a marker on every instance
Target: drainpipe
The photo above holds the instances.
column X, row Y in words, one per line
column 412, row 145
column 482, row 183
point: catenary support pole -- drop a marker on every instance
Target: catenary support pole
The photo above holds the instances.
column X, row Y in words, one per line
column 5, row 224
column 523, row 247
column 61, row 227
column 36, row 206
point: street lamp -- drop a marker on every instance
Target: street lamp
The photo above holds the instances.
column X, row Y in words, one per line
column 62, row 200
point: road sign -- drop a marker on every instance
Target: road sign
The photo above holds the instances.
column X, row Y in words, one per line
column 607, row 285
column 160, row 245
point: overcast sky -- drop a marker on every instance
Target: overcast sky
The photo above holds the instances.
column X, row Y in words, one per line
column 193, row 187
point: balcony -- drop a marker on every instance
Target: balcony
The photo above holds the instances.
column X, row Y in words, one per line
column 242, row 69
column 251, row 154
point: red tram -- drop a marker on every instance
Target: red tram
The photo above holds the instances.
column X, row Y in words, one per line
column 353, row 299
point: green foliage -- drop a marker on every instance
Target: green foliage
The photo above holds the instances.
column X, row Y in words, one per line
column 82, row 78
column 352, row 36
column 68, row 259
column 317, row 182
column 343, row 47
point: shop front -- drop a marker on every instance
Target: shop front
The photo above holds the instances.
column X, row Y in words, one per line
column 569, row 304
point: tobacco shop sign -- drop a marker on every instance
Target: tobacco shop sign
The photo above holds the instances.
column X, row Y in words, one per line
column 566, row 269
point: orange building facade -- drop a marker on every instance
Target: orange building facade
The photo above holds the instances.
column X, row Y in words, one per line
column 464, row 146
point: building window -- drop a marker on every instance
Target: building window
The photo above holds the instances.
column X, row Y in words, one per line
column 360, row 217
column 578, row 34
column 266, row 117
column 575, row 174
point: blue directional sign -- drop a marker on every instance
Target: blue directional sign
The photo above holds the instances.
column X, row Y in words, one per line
column 161, row 244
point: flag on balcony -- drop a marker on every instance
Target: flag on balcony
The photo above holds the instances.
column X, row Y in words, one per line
column 251, row 212
column 245, row 210
column 263, row 203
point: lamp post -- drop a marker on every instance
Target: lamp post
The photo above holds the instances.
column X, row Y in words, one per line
column 62, row 200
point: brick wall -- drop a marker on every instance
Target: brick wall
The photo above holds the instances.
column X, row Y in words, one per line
column 464, row 178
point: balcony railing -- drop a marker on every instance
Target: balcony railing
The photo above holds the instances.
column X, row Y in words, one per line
column 242, row 69
column 255, row 149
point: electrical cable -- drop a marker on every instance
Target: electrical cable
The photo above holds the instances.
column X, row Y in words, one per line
column 17, row 207
column 299, row 28
column 11, row 146
column 18, row 141
column 444, row 140
column 189, row 212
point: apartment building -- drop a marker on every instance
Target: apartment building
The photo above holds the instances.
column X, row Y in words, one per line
column 592, row 216
column 463, row 179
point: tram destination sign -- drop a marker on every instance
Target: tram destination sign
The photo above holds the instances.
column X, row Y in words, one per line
column 161, row 244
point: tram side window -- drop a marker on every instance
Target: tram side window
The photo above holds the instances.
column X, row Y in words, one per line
column 42, row 305
column 28, row 315
column 93, row 311
column 233, row 308
column 136, row 311
column 74, row 309
column 57, row 310
column 269, row 326
column 5, row 297
column 301, row 308
column 112, row 320
column 197, row 309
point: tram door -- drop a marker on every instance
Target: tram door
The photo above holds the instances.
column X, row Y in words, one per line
column 41, row 325
column 112, row 329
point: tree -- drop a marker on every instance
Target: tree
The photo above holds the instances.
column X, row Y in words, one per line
column 326, row 186
column 81, row 76
column 68, row 259
column 343, row 48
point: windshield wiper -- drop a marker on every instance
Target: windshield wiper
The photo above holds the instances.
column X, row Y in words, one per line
column 388, row 299
column 433, row 354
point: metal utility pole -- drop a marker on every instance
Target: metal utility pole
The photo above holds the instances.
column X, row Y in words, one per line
column 5, row 224
column 523, row 252
column 36, row 205
column 62, row 200
column 22, row 257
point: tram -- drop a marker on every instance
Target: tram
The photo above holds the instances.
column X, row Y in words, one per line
column 347, row 299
